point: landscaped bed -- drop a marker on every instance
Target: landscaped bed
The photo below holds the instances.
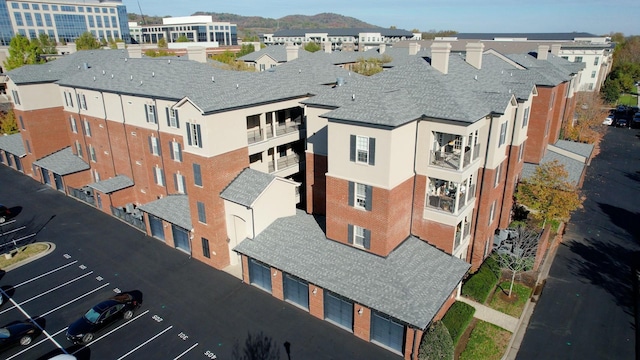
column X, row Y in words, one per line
column 510, row 305
column 486, row 342
column 22, row 253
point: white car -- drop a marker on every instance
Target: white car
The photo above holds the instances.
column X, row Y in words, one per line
column 608, row 121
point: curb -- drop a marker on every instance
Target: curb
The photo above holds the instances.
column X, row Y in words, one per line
column 50, row 249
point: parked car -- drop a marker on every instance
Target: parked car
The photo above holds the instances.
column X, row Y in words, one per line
column 635, row 122
column 18, row 332
column 5, row 213
column 622, row 123
column 608, row 120
column 121, row 306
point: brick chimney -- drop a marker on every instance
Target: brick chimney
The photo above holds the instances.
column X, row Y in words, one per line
column 474, row 54
column 292, row 52
column 543, row 52
column 414, row 48
column 197, row 53
column 555, row 49
column 440, row 56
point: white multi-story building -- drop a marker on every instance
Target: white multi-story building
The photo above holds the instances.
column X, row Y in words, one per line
column 197, row 29
column 354, row 39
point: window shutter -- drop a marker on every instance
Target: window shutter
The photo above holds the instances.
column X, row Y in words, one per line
column 352, row 149
column 88, row 128
column 168, row 117
column 171, row 150
column 159, row 146
column 175, row 181
column 177, row 120
column 199, row 135
column 150, row 145
column 164, row 183
column 351, row 191
column 184, row 184
column 372, row 151
column 179, row 151
column 367, row 239
column 146, row 112
column 189, row 134
column 350, row 234
column 155, row 175
column 369, row 195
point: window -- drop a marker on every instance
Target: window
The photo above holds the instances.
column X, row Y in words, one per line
column 359, row 236
column 28, row 146
column 525, row 118
column 21, row 122
column 578, row 59
column 197, row 175
column 194, row 137
column 16, row 97
column 496, row 181
column 87, row 127
column 92, row 153
column 179, row 181
column 503, row 133
column 176, row 151
column 172, row 118
column 158, row 176
column 202, row 215
column 82, row 101
column 78, row 149
column 593, row 74
column 492, row 212
column 74, row 126
column 520, row 152
column 154, row 145
column 150, row 113
column 595, row 61
column 205, row 248
column 360, row 196
column 362, row 149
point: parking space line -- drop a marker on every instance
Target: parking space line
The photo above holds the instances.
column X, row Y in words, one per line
column 48, row 291
column 145, row 343
column 12, row 231
column 112, row 330
column 186, row 351
column 45, row 274
column 76, row 299
column 7, row 222
column 34, row 345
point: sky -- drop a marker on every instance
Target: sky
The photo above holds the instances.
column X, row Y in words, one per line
column 598, row 17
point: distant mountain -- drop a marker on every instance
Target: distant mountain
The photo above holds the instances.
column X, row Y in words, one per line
column 259, row 25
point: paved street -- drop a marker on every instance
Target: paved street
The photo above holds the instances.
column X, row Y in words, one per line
column 190, row 311
column 587, row 308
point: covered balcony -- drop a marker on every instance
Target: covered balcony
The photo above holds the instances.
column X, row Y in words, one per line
column 452, row 151
column 463, row 229
column 450, row 196
column 261, row 127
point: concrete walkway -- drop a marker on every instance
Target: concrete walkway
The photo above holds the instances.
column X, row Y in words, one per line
column 492, row 316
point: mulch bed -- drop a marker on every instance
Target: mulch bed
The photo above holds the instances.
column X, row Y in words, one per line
column 462, row 343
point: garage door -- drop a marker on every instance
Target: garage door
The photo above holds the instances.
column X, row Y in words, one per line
column 157, row 230
column 260, row 275
column 387, row 332
column 181, row 238
column 338, row 310
column 296, row 290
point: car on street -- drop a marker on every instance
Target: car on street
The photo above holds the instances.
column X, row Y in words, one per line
column 622, row 123
column 18, row 332
column 120, row 306
column 635, row 121
column 608, row 120
column 5, row 213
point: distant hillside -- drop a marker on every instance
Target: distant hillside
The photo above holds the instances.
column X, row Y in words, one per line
column 259, row 25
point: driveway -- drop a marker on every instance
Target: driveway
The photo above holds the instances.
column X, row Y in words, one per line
column 588, row 304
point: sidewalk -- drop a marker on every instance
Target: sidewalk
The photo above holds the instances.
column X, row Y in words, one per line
column 495, row 317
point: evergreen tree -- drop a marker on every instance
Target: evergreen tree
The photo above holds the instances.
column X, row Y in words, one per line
column 87, row 41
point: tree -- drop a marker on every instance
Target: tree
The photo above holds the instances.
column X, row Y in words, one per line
column 182, row 38
column 436, row 343
column 45, row 44
column 518, row 252
column 21, row 52
column 312, row 47
column 610, row 91
column 87, row 41
column 392, row 27
column 8, row 124
column 245, row 49
column 587, row 127
column 162, row 43
column 548, row 194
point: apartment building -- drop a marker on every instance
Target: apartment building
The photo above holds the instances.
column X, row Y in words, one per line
column 362, row 200
column 200, row 30
column 63, row 21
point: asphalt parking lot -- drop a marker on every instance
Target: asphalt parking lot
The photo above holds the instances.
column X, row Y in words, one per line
column 189, row 310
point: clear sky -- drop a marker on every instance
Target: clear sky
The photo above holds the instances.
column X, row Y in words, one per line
column 497, row 16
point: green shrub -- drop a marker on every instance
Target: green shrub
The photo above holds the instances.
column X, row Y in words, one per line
column 436, row 343
column 479, row 285
column 457, row 319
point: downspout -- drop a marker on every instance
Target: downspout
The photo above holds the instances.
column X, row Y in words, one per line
column 415, row 175
column 513, row 131
column 484, row 173
column 413, row 347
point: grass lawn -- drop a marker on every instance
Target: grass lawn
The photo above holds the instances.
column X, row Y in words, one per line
column 502, row 303
column 23, row 253
column 628, row 99
column 486, row 342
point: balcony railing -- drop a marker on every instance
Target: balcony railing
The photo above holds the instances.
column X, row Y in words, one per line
column 254, row 135
column 458, row 238
column 451, row 159
column 134, row 218
column 444, row 203
column 288, row 127
column 84, row 194
column 284, row 162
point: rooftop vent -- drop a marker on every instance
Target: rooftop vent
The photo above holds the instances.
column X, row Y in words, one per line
column 353, row 97
column 340, row 81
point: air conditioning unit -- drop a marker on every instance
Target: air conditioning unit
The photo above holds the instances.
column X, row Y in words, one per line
column 129, row 208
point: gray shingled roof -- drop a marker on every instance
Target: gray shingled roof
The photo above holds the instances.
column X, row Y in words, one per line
column 581, row 149
column 573, row 167
column 13, row 144
column 172, row 208
column 247, row 186
column 342, row 32
column 411, row 284
column 113, row 184
column 276, row 52
column 529, row 36
column 62, row 162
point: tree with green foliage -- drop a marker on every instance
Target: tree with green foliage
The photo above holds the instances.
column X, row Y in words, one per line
column 610, row 91
column 158, row 53
column 436, row 343
column 548, row 194
column 21, row 52
column 45, row 44
column 182, row 38
column 8, row 123
column 245, row 49
column 87, row 41
column 312, row 47
column 370, row 66
column 162, row 43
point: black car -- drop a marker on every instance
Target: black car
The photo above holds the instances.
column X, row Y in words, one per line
column 18, row 332
column 5, row 213
column 120, row 306
column 622, row 123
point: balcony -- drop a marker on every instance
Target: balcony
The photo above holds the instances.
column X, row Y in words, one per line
column 288, row 127
column 449, row 196
column 452, row 158
column 284, row 162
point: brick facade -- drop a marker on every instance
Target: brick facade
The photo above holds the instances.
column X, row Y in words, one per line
column 541, row 114
column 316, row 185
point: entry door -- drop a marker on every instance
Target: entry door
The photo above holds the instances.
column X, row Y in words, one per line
column 387, row 332
column 260, row 275
column 58, row 179
column 45, row 176
column 181, row 238
column 157, row 230
column 296, row 290
column 18, row 163
column 338, row 310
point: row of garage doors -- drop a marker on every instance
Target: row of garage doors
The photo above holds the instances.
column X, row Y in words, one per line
column 337, row 309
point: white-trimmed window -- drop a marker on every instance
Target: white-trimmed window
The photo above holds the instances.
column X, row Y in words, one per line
column 16, row 97
column 521, row 152
column 492, row 212
column 194, row 135
column 92, row 153
column 361, row 196
column 176, row 151
column 359, row 236
column 172, row 118
column 78, row 149
column 82, row 101
column 87, row 127
column 525, row 118
column 496, row 180
column 154, row 145
column 362, row 149
column 180, row 183
column 74, row 126
column 503, row 133
column 150, row 113
column 158, row 176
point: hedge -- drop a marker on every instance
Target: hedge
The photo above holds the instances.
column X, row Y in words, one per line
column 436, row 343
column 457, row 319
column 479, row 285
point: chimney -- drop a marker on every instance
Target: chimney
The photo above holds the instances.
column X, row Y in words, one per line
column 292, row 52
column 135, row 51
column 555, row 49
column 543, row 52
column 327, row 47
column 440, row 56
column 120, row 45
column 382, row 49
column 197, row 53
column 474, row 54
column 414, row 48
